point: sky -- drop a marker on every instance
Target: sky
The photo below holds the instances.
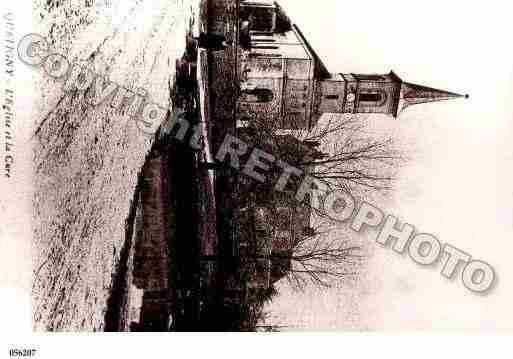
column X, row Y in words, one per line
column 456, row 184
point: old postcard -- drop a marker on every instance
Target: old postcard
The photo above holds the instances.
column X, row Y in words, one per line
column 255, row 166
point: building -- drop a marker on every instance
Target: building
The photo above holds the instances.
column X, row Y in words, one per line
column 271, row 235
column 286, row 82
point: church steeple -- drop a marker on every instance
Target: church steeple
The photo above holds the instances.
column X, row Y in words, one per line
column 413, row 94
column 384, row 94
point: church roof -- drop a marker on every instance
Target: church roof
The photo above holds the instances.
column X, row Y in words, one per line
column 413, row 94
column 320, row 70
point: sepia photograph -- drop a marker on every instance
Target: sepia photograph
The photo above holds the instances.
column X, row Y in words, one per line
column 261, row 166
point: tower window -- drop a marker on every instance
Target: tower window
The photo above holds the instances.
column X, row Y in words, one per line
column 370, row 97
column 374, row 98
column 332, row 97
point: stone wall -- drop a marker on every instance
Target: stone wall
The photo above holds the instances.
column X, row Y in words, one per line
column 151, row 248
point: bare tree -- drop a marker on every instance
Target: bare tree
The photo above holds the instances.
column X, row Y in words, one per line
column 341, row 153
column 318, row 259
column 313, row 256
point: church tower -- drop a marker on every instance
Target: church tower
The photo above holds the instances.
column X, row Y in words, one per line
column 379, row 94
column 285, row 82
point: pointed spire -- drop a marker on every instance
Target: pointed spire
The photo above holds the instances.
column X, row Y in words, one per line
column 412, row 94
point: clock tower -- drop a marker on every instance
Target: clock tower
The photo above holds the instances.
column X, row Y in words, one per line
column 379, row 94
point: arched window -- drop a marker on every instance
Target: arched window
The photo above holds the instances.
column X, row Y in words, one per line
column 332, row 97
column 376, row 98
column 370, row 97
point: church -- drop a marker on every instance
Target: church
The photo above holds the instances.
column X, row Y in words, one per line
column 285, row 81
